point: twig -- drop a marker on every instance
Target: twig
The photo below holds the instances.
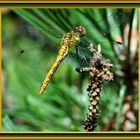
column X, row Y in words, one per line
column 99, row 71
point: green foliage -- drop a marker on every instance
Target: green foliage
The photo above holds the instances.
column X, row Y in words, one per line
column 64, row 104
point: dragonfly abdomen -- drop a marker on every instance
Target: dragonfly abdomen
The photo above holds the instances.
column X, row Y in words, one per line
column 61, row 55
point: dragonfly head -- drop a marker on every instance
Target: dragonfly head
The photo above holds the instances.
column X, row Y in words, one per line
column 80, row 30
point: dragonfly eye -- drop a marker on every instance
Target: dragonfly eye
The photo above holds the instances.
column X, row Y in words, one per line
column 81, row 30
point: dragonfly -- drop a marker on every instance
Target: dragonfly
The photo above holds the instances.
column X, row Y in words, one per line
column 68, row 41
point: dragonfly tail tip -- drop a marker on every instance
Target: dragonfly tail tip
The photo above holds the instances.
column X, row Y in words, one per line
column 40, row 92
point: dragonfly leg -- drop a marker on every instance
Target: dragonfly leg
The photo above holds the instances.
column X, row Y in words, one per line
column 83, row 69
column 77, row 52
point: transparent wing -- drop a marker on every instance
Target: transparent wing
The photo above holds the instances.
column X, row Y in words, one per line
column 29, row 61
column 53, row 23
column 105, row 28
column 42, row 22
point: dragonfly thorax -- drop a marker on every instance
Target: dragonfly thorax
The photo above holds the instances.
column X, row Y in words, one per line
column 72, row 38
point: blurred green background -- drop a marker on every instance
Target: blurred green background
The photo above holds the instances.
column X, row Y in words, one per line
column 64, row 104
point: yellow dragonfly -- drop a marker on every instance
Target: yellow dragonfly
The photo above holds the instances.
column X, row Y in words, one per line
column 68, row 41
